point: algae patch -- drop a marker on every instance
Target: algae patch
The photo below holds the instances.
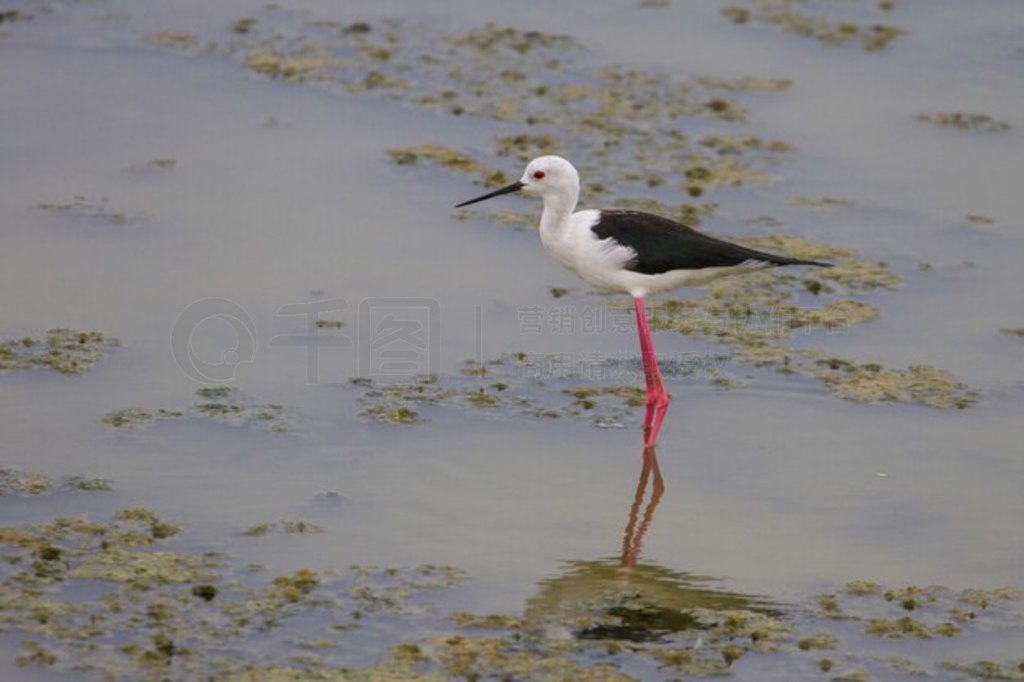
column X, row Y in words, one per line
column 14, row 482
column 101, row 210
column 219, row 403
column 154, row 165
column 520, row 384
column 792, row 16
column 159, row 613
column 752, row 314
column 109, row 600
column 68, row 351
column 288, row 526
column 920, row 384
column 617, row 119
column 965, row 121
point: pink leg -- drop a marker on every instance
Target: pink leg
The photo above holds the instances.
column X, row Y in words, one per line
column 657, row 398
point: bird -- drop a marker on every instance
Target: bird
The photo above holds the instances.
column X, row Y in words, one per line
column 631, row 252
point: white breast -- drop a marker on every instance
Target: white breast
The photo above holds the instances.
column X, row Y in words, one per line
column 573, row 243
column 602, row 262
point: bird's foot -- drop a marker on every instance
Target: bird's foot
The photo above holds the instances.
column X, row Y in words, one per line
column 657, row 408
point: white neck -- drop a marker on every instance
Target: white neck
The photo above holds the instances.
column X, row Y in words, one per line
column 557, row 210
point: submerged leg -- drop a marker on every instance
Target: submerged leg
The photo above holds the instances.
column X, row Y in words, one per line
column 657, row 398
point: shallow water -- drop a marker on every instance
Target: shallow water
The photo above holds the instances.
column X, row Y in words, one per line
column 283, row 194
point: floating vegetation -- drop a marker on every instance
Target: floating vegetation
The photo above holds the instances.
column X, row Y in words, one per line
column 128, row 417
column 617, row 119
column 14, row 482
column 745, row 83
column 790, row 16
column 181, row 615
column 82, row 208
column 989, row 670
column 309, row 62
column 153, row 165
column 751, row 314
column 177, row 39
column 110, row 598
column 965, row 121
column 825, row 204
column 23, row 483
column 921, row 384
column 451, row 159
column 518, row 384
column 68, row 351
column 221, row 403
column 289, row 526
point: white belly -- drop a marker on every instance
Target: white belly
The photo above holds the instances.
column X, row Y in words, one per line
column 602, row 262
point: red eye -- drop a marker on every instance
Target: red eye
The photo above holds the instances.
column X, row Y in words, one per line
column 539, row 175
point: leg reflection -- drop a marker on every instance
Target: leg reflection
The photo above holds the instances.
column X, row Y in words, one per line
column 637, row 526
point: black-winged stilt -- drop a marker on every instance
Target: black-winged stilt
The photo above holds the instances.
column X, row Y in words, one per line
column 633, row 252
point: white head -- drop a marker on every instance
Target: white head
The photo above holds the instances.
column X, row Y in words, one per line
column 552, row 177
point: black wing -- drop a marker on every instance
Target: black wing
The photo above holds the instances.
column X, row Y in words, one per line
column 662, row 245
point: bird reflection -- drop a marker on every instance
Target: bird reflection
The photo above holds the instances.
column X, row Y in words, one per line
column 625, row 597
column 633, row 538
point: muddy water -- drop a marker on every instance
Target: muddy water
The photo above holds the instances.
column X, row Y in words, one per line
column 283, row 195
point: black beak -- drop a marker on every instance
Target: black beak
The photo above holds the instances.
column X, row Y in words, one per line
column 514, row 187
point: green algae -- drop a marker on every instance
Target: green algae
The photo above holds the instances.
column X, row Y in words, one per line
column 745, row 83
column 305, row 63
column 862, row 588
column 14, row 482
column 287, row 526
column 823, row 205
column 192, row 615
column 883, row 613
column 791, row 16
column 633, row 396
column 753, row 313
column 23, row 483
column 965, row 121
column 921, row 384
column 989, row 670
column 450, row 159
column 244, row 25
column 157, row 528
column 181, row 40
column 224, row 404
column 128, row 417
column 516, row 384
column 154, row 165
column 823, row 640
column 68, row 351
column 173, row 614
column 101, row 210
column 492, row 621
column 397, row 415
column 614, row 116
